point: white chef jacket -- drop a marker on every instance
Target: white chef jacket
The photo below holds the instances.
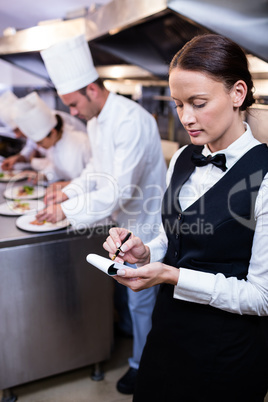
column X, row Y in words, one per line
column 248, row 296
column 125, row 178
column 67, row 158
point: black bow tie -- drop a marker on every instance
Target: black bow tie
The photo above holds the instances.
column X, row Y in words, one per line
column 218, row 160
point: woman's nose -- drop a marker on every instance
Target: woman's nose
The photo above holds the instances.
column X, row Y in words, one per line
column 187, row 116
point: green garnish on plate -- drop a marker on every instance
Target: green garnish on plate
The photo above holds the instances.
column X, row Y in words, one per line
column 28, row 189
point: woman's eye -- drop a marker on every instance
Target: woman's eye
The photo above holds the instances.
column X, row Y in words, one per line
column 200, row 105
column 178, row 106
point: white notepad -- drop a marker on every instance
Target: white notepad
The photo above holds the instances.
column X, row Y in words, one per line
column 104, row 264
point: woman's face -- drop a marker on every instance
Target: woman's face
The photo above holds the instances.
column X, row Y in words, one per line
column 205, row 108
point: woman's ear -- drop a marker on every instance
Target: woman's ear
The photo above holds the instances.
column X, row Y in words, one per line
column 238, row 93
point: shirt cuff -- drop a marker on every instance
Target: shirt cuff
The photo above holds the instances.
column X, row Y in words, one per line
column 156, row 254
column 26, row 154
column 194, row 286
column 158, row 248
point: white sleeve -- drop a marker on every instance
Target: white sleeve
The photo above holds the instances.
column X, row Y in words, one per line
column 248, row 296
column 28, row 149
column 85, row 183
column 158, row 246
column 48, row 171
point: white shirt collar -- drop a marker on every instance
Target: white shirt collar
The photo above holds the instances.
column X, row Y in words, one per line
column 237, row 149
column 106, row 108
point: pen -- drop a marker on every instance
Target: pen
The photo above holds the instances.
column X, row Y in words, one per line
column 119, row 248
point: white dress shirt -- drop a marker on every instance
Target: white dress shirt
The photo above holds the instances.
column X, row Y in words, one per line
column 248, row 296
column 125, row 179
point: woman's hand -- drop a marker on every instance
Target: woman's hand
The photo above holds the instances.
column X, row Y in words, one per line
column 133, row 250
column 147, row 276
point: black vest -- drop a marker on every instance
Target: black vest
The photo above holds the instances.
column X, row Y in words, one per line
column 215, row 233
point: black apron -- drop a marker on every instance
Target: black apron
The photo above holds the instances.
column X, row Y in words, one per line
column 195, row 352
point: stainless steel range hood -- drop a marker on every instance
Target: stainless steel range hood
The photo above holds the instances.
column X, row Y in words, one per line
column 145, row 33
column 149, row 34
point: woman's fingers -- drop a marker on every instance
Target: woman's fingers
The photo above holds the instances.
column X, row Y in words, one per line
column 109, row 245
column 114, row 241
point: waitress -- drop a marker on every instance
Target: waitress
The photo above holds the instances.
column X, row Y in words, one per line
column 209, row 335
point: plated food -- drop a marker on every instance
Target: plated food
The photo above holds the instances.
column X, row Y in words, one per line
column 12, row 175
column 19, row 207
column 38, row 223
column 24, row 192
column 29, row 223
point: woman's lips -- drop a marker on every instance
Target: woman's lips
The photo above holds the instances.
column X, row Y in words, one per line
column 194, row 133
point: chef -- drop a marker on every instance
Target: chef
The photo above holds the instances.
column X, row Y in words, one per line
column 7, row 101
column 30, row 149
column 68, row 150
column 126, row 174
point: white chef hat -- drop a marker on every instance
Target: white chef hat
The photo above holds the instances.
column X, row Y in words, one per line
column 7, row 100
column 33, row 117
column 69, row 64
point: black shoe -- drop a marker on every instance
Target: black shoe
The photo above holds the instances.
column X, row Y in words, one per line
column 126, row 384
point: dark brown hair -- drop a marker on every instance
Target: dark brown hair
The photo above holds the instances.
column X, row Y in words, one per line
column 59, row 125
column 99, row 82
column 219, row 57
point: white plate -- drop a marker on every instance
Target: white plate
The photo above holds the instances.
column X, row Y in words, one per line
column 8, row 207
column 13, row 175
column 12, row 192
column 24, row 223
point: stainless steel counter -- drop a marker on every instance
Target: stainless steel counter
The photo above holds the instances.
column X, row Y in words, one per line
column 56, row 311
column 11, row 236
